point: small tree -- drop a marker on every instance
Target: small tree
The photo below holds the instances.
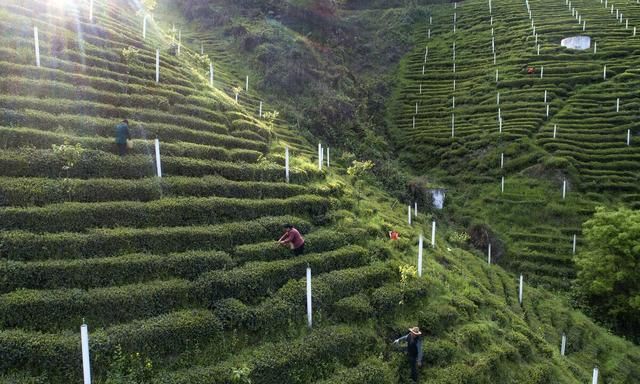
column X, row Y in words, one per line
column 241, row 375
column 359, row 171
column 70, row 155
column 270, row 118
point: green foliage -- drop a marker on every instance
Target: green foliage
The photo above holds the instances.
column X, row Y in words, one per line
column 241, row 375
column 128, row 368
column 129, row 55
column 150, row 5
column 607, row 277
column 68, row 154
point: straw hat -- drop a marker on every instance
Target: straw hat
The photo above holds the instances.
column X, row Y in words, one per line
column 415, row 331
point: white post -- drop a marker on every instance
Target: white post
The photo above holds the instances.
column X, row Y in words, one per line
column 494, row 58
column 563, row 344
column 260, row 111
column 555, row 130
column 604, row 73
column 179, row 41
column 211, row 74
column 429, row 33
column 547, row 111
column 618, row 104
column 595, row 47
column 144, row 27
column 246, row 84
column 423, row 69
column 202, row 48
column 574, row 244
column 538, row 49
column 157, row 66
column 493, row 44
column 421, row 89
column 286, row 164
column 498, row 98
column 545, row 96
column 628, row 137
column 236, row 97
column 489, row 254
column 453, row 125
column 634, row 31
column 453, row 102
column 454, row 84
column 415, row 209
column 500, row 124
column 430, row 20
column 158, row 160
column 416, row 107
column 584, row 25
column 91, row 11
column 502, row 160
column 489, row 6
column 541, row 71
column 499, row 114
column 409, row 214
column 36, row 42
column 420, row 241
column 414, row 121
column 594, row 379
column 433, row 234
column 502, row 185
column 496, row 75
column 328, row 157
column 320, row 156
column 454, row 67
column 520, row 289
column 86, row 361
column 564, row 189
column 309, row 318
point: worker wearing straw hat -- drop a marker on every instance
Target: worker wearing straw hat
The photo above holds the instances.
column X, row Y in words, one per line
column 414, row 350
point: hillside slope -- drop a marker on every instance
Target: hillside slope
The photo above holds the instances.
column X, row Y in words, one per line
column 178, row 277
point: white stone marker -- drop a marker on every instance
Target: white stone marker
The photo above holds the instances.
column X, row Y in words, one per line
column 594, row 379
column 433, row 234
column 36, row 42
column 604, row 73
column 415, row 209
column 157, row 66
column 541, row 71
column 494, row 58
column 211, row 74
column 575, row 238
column 236, row 97
column 502, row 185
column 409, row 214
column 202, row 48
column 634, row 31
column 246, row 84
column 595, row 47
column 563, row 345
column 564, row 189
column 545, row 96
column 628, row 137
column 309, row 316
column 502, row 160
column 496, row 75
column 498, row 98
column 454, row 84
column 489, row 254
column 454, row 67
column 319, row 156
column 453, row 102
column 538, row 50
column 618, row 104
column 584, row 25
column 493, row 44
column 260, row 110
column 144, row 27
column 414, row 122
column 489, row 6
column 328, row 163
column 91, row 11
column 420, row 241
column 286, row 164
column 416, row 107
column 500, row 125
column 158, row 160
column 547, row 111
column 421, row 89
column 429, row 33
column 423, row 69
column 520, row 287
column 555, row 130
column 86, row 361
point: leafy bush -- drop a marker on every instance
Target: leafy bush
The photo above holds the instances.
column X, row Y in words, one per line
column 353, row 308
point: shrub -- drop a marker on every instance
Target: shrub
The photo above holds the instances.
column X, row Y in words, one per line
column 353, row 308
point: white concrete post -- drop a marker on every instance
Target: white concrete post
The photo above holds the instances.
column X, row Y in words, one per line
column 144, row 27
column 328, row 164
column 541, row 71
column 433, row 234
column 491, row 20
column 454, row 67
column 496, row 75
column 574, row 244
column 36, row 42
column 158, row 160
column 490, row 7
column 211, row 74
column 520, row 287
column 489, row 254
column 494, row 58
column 286, row 164
column 86, row 361
column 563, row 344
column 260, row 110
column 604, row 73
column 547, row 111
column 453, row 102
column 236, row 97
column 502, row 185
column 618, row 104
column 628, row 137
column 430, row 20
column 429, row 33
column 416, row 107
column 246, row 84
column 634, row 31
column 594, row 379
column 309, row 316
column 493, row 44
column 320, row 156
column 202, row 48
column 555, row 130
column 157, row 66
column 423, row 69
column 545, row 96
column 414, row 121
column 499, row 114
column 453, row 125
column 538, row 49
column 564, row 189
column 179, row 41
column 498, row 98
column 420, row 242
column 421, row 89
column 415, row 209
column 502, row 160
column 584, row 25
column 91, row 11
column 409, row 214
column 595, row 47
column 454, row 84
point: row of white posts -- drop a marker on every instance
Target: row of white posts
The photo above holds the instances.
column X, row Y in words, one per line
column 321, row 154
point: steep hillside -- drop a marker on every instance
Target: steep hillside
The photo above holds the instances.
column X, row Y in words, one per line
column 179, row 278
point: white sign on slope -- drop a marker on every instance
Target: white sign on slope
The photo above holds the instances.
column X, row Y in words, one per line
column 576, row 42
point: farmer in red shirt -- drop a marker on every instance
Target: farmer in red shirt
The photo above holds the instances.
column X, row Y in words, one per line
column 293, row 239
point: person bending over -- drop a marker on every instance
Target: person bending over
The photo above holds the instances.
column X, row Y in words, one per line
column 293, row 239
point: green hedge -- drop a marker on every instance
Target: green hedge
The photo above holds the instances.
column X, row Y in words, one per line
column 43, row 191
column 26, row 246
column 319, row 241
column 169, row 212
column 102, row 272
column 370, row 371
column 254, row 280
column 94, row 164
column 305, row 360
column 353, row 308
column 62, row 308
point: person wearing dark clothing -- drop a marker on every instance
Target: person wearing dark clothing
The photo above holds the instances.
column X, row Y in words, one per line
column 122, row 135
column 414, row 350
column 293, row 239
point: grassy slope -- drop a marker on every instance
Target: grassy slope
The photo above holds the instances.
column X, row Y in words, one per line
column 189, row 324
